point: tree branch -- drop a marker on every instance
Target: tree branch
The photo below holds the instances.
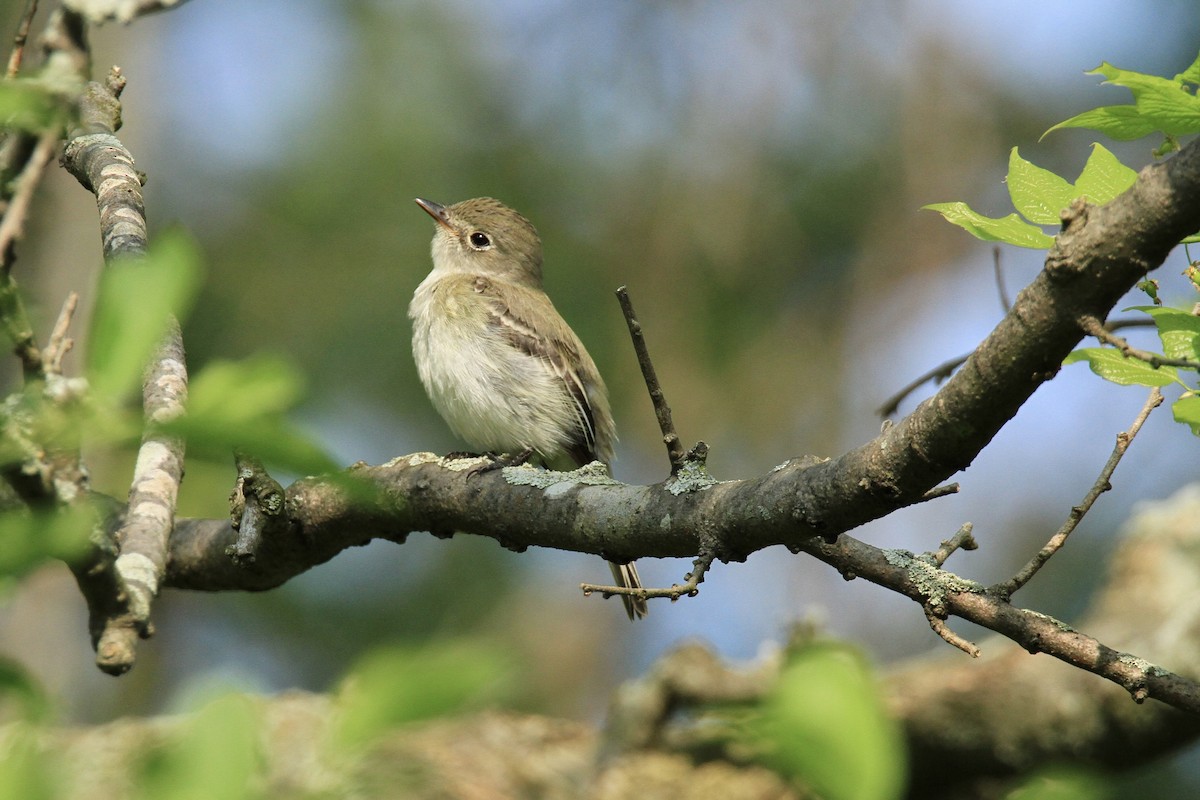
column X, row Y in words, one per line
column 1099, row 487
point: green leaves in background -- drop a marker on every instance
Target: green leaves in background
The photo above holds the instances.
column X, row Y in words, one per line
column 396, row 685
column 1179, row 332
column 826, row 725
column 1166, row 105
column 26, row 769
column 135, row 301
column 1040, row 196
column 230, row 404
column 243, row 405
column 29, row 106
column 33, row 537
column 215, row 755
column 1064, row 783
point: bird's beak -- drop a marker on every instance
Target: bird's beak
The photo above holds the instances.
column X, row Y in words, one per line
column 437, row 211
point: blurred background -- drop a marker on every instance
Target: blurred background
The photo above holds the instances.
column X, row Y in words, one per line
column 753, row 172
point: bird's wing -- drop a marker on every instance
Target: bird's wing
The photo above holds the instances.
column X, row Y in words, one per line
column 556, row 347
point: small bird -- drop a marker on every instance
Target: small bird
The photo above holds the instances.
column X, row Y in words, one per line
column 501, row 366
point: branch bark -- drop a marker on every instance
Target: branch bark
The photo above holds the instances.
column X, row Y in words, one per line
column 804, row 504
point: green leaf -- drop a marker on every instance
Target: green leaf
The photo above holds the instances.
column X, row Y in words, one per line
column 396, row 685
column 1176, row 113
column 242, row 391
column 25, row 770
column 1178, row 330
column 826, row 724
column 1112, row 366
column 135, row 300
column 1011, row 229
column 1136, row 82
column 1038, row 194
column 1187, row 410
column 214, row 756
column 22, row 694
column 1191, row 74
column 1103, row 177
column 1123, row 123
column 32, row 538
column 1159, row 104
column 241, row 405
column 30, row 107
column 1062, row 783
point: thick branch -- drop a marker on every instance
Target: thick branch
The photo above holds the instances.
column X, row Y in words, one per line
column 1007, row 713
column 1100, row 255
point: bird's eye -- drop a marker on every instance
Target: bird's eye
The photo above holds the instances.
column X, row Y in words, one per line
column 480, row 240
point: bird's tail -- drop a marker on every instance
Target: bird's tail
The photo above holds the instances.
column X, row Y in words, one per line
column 626, row 575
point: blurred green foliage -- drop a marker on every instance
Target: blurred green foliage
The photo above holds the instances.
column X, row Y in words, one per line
column 825, row 724
column 401, row 684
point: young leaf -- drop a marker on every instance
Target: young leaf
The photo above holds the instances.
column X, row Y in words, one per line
column 1112, row 366
column 1191, row 74
column 31, row 539
column 134, row 302
column 1038, row 194
column 28, row 106
column 215, row 755
column 826, row 725
column 241, row 405
column 1179, row 331
column 1123, row 123
column 1103, row 177
column 1011, row 229
column 1159, row 104
column 1187, row 410
column 396, row 685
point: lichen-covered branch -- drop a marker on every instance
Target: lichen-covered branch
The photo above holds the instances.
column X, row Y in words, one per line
column 145, row 530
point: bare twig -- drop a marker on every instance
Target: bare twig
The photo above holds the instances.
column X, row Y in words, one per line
column 59, row 344
column 944, row 370
column 1094, row 327
column 690, row 587
column 937, row 375
column 938, row 624
column 1102, row 485
column 12, row 226
column 255, row 505
column 1001, row 289
column 961, row 540
column 19, row 40
column 661, row 410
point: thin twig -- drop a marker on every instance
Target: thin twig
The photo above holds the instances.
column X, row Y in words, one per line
column 939, row 626
column 1001, row 289
column 943, row 371
column 19, row 40
column 255, row 506
column 690, row 587
column 12, row 226
column 59, row 344
column 961, row 540
column 1102, row 485
column 937, row 375
column 1094, row 327
column 940, row 491
column 661, row 410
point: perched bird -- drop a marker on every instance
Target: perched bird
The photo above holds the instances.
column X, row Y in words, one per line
column 499, row 363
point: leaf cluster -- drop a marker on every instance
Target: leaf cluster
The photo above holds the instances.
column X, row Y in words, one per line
column 1166, row 106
